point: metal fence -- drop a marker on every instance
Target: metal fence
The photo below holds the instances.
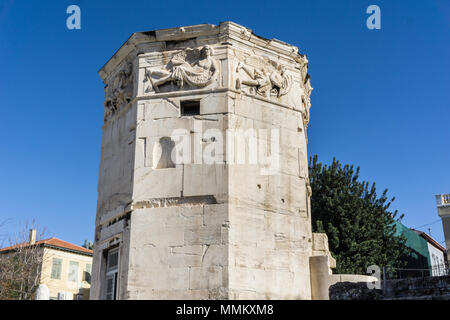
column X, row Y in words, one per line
column 402, row 273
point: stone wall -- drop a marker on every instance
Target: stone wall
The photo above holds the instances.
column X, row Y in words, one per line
column 188, row 227
column 427, row 288
column 211, row 204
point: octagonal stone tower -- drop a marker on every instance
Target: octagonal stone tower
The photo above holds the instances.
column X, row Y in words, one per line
column 203, row 187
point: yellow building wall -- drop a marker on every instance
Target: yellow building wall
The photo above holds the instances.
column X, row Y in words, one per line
column 64, row 284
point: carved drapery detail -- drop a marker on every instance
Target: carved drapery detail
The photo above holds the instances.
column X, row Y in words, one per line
column 307, row 89
column 189, row 67
column 263, row 77
column 306, row 100
column 118, row 91
column 308, row 187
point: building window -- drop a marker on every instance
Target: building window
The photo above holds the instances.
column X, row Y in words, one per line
column 56, row 268
column 190, row 107
column 73, row 271
column 112, row 268
column 87, row 273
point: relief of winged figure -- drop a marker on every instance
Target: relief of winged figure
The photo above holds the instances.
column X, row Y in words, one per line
column 271, row 80
column 119, row 91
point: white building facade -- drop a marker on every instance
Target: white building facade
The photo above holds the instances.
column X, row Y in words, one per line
column 443, row 206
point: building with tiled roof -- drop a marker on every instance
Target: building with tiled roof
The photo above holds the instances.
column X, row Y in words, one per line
column 426, row 258
column 66, row 267
column 437, row 254
column 54, row 243
column 443, row 206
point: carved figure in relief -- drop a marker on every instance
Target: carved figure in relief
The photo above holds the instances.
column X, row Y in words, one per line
column 306, row 100
column 304, row 67
column 280, row 81
column 119, row 91
column 258, row 78
column 307, row 89
column 308, row 187
column 268, row 81
column 192, row 67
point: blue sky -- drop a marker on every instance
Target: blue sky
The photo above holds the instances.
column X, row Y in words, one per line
column 381, row 98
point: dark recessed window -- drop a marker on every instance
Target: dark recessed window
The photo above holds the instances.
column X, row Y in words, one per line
column 190, row 107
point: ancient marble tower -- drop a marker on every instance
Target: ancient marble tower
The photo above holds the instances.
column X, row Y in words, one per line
column 203, row 187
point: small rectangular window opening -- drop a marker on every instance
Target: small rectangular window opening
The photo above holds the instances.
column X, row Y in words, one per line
column 190, row 107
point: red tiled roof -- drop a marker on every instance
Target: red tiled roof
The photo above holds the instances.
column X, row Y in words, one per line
column 54, row 242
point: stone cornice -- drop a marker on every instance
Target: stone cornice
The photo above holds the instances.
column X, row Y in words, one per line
column 225, row 30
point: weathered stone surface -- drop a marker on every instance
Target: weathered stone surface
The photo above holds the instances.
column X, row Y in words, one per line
column 427, row 288
column 204, row 159
column 354, row 291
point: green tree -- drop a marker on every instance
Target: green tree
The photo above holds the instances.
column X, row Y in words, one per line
column 21, row 264
column 360, row 228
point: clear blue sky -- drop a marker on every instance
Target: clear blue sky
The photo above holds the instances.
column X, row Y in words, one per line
column 381, row 98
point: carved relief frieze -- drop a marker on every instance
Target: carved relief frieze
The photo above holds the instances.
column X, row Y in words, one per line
column 307, row 89
column 263, row 77
column 269, row 79
column 306, row 100
column 188, row 68
column 118, row 91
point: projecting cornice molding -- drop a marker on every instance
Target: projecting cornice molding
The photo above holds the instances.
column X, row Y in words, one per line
column 148, row 41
